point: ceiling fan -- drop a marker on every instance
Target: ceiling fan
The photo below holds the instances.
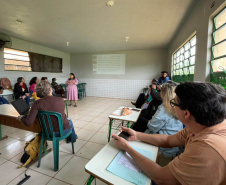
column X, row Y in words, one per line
column 5, row 41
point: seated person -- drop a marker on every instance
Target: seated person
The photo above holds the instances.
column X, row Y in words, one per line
column 33, row 83
column 49, row 103
column 58, row 88
column 2, row 99
column 44, row 78
column 164, row 77
column 201, row 108
column 21, row 90
column 142, row 98
column 154, row 103
column 164, row 120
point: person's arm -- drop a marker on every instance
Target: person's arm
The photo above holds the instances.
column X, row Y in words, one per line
column 76, row 81
column 157, row 121
column 155, row 95
column 29, row 120
column 160, row 175
column 67, row 82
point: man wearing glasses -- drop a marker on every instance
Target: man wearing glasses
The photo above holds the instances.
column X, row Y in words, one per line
column 201, row 107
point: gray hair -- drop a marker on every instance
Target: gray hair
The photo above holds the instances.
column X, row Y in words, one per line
column 43, row 88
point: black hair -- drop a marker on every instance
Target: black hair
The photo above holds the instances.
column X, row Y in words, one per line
column 44, row 78
column 19, row 79
column 165, row 72
column 73, row 75
column 53, row 79
column 1, row 88
column 205, row 101
column 33, row 80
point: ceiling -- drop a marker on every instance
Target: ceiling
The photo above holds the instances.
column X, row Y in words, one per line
column 92, row 26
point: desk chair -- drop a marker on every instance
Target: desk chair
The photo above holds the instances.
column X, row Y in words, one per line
column 80, row 91
column 49, row 135
column 65, row 89
column 83, row 89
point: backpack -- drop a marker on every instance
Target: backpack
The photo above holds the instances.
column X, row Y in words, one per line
column 31, row 150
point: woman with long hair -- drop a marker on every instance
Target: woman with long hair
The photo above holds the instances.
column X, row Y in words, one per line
column 72, row 91
column 33, row 82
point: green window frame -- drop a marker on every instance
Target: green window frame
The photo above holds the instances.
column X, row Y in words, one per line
column 218, row 50
column 183, row 61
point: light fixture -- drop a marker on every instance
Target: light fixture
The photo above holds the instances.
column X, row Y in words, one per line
column 110, row 3
column 127, row 38
column 67, row 43
column 19, row 21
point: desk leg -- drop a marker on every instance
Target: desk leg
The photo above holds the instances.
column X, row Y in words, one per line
column 90, row 180
column 1, row 138
column 109, row 133
column 128, row 124
column 66, row 108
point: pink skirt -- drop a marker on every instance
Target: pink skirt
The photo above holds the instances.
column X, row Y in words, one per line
column 72, row 92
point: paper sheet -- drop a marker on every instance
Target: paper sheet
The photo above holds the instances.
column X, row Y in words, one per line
column 124, row 166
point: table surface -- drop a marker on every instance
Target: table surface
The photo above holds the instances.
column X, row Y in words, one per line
column 6, row 92
column 130, row 118
column 97, row 166
column 8, row 110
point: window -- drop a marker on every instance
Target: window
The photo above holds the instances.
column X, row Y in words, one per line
column 183, row 62
column 218, row 59
column 16, row 60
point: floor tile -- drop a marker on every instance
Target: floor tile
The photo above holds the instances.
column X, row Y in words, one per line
column 85, row 134
column 2, row 161
column 12, row 150
column 80, row 123
column 57, row 182
column 6, row 130
column 100, row 120
column 74, row 171
column 9, row 171
column 20, row 134
column 47, row 163
column 87, row 118
column 100, row 138
column 89, row 150
column 35, row 179
column 93, row 126
column 104, row 128
column 66, row 147
column 7, row 141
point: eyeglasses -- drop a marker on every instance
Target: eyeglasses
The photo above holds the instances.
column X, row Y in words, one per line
column 172, row 103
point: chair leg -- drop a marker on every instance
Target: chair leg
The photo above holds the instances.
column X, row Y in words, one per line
column 56, row 154
column 72, row 143
column 40, row 152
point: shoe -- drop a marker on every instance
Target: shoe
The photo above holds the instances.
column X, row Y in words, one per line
column 68, row 140
column 69, row 104
column 75, row 105
column 133, row 103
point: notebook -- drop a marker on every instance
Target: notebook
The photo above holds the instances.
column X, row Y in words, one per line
column 21, row 106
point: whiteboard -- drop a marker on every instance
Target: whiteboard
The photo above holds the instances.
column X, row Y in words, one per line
column 109, row 64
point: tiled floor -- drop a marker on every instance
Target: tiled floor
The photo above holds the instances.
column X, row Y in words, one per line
column 90, row 120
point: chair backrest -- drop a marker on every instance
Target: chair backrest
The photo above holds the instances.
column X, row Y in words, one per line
column 79, row 86
column 64, row 86
column 45, row 121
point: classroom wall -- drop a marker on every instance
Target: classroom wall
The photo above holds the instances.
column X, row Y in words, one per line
column 199, row 20
column 28, row 46
column 140, row 68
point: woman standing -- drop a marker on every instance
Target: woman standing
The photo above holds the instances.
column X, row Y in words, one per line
column 72, row 91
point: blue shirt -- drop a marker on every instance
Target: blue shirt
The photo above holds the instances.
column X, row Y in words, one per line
column 165, row 123
column 161, row 81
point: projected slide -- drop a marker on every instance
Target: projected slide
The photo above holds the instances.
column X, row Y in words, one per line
column 109, row 64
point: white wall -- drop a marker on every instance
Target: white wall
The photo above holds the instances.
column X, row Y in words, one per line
column 28, row 46
column 199, row 20
column 140, row 68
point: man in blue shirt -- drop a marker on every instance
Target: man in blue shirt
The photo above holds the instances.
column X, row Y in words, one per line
column 164, row 77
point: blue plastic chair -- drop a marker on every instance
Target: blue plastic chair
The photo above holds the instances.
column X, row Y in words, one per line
column 44, row 118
